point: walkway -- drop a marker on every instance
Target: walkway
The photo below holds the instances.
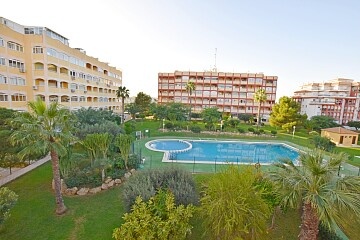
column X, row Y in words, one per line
column 22, row 171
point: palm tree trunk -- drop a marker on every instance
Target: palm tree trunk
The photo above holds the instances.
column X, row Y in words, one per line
column 60, row 206
column 258, row 116
column 122, row 109
column 309, row 223
column 190, row 108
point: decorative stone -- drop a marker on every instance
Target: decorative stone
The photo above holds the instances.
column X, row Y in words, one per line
column 117, row 181
column 104, row 186
column 95, row 190
column 111, row 183
column 71, row 191
column 108, row 180
column 127, row 175
column 82, row 191
column 132, row 171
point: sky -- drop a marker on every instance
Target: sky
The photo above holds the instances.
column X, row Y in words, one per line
column 300, row 41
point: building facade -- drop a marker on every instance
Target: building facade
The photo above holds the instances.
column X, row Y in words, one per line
column 38, row 62
column 338, row 98
column 231, row 93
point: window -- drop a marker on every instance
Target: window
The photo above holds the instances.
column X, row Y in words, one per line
column 74, row 98
column 73, row 86
column 15, row 46
column 37, row 49
column 1, row 42
column 16, row 64
column 72, row 73
column 17, row 81
column 82, row 99
column 2, row 61
column 51, row 52
column 3, row 97
column 3, row 79
column 18, row 97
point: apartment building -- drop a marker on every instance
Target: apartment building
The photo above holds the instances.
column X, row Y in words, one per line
column 338, row 98
column 38, row 62
column 232, row 93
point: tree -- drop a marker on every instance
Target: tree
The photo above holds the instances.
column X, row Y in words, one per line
column 211, row 116
column 176, row 111
column 315, row 185
column 190, row 87
column 286, row 114
column 123, row 142
column 10, row 160
column 260, row 98
column 142, row 101
column 133, row 109
column 91, row 116
column 323, row 143
column 157, row 219
column 321, row 122
column 8, row 200
column 246, row 117
column 355, row 124
column 122, row 92
column 232, row 205
column 42, row 130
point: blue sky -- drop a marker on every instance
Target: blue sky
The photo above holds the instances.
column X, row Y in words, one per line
column 298, row 41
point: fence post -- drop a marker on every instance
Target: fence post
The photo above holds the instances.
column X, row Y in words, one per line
column 215, row 164
column 194, row 165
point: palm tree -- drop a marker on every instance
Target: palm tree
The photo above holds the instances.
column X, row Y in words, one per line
column 190, row 87
column 42, row 130
column 325, row 197
column 122, row 93
column 260, row 97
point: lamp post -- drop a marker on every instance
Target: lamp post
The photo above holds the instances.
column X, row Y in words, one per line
column 294, row 127
column 163, row 124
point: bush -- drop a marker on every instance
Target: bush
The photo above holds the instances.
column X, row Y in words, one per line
column 157, row 218
column 105, row 127
column 88, row 177
column 323, row 143
column 8, row 200
column 273, row 132
column 314, row 133
column 261, row 131
column 169, row 125
column 146, row 183
column 250, row 129
column 240, row 130
column 195, row 129
column 256, row 132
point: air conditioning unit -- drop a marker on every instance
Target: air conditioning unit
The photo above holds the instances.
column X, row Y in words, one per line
column 22, row 70
column 72, row 78
column 72, row 90
column 35, row 87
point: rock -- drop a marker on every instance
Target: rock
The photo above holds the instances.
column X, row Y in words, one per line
column 95, row 190
column 127, row 175
column 111, row 183
column 117, row 181
column 132, row 171
column 71, row 191
column 108, row 180
column 82, row 191
column 104, row 186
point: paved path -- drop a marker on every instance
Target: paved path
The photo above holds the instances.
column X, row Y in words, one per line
column 22, row 171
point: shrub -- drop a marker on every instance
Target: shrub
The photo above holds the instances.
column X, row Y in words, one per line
column 169, row 125
column 261, row 131
column 314, row 133
column 256, row 132
column 240, row 130
column 145, row 184
column 8, row 200
column 88, row 177
column 157, row 218
column 250, row 129
column 273, row 132
column 323, row 143
column 195, row 129
column 105, row 127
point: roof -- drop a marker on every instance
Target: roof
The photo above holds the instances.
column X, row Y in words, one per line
column 340, row 130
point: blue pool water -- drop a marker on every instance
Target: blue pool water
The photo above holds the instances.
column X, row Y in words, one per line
column 225, row 151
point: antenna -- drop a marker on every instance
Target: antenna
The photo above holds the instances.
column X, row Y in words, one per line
column 215, row 69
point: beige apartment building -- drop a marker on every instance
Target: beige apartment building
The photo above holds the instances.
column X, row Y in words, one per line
column 232, row 93
column 338, row 98
column 38, row 62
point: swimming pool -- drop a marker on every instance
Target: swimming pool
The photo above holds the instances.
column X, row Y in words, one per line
column 202, row 151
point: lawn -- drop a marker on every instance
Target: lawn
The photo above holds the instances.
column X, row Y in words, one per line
column 88, row 217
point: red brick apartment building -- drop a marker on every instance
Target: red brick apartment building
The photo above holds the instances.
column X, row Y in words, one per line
column 231, row 92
